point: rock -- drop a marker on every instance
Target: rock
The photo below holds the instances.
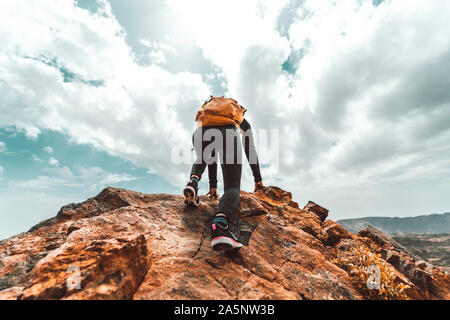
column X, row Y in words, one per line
column 429, row 280
column 334, row 231
column 128, row 245
column 277, row 194
column 107, row 200
column 11, row 293
column 251, row 206
column 321, row 212
column 108, row 269
column 305, row 220
column 424, row 265
column 383, row 239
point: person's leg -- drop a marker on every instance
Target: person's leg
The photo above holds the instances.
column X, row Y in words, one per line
column 230, row 201
column 225, row 224
column 199, row 165
column 198, row 168
column 203, row 140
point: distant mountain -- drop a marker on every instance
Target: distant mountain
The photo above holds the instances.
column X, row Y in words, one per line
column 433, row 248
column 427, row 224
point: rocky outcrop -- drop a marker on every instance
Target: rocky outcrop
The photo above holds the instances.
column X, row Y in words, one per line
column 421, row 273
column 320, row 211
column 128, row 245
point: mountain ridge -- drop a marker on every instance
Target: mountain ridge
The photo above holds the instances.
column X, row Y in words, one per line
column 423, row 224
column 123, row 244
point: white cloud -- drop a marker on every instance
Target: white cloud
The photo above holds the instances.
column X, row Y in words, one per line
column 48, row 149
column 1, row 170
column 228, row 44
column 365, row 101
column 137, row 113
column 111, row 179
column 35, row 158
column 363, row 104
column 158, row 50
column 42, row 183
column 52, row 161
column 93, row 178
column 3, row 147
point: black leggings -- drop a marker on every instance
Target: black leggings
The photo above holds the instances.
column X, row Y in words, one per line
column 225, row 142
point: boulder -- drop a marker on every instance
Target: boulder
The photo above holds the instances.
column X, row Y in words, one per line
column 320, row 211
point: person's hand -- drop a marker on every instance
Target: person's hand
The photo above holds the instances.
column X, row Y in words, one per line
column 213, row 193
column 259, row 186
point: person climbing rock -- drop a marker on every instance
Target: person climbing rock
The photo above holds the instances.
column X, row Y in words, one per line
column 217, row 136
column 252, row 157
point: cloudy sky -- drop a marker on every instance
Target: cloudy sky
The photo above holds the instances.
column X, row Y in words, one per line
column 97, row 93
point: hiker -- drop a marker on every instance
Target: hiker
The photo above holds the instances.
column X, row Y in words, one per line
column 252, row 157
column 217, row 135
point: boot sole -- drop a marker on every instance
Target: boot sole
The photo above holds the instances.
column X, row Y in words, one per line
column 189, row 193
column 225, row 244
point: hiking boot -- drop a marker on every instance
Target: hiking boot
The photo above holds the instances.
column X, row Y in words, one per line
column 191, row 194
column 222, row 237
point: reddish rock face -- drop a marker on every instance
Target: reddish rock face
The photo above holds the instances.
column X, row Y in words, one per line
column 321, row 212
column 127, row 245
column 432, row 281
column 334, row 232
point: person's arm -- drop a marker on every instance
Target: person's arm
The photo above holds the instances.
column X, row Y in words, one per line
column 250, row 152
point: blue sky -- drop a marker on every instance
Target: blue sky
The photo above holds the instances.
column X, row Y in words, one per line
column 24, row 159
column 103, row 93
column 31, row 198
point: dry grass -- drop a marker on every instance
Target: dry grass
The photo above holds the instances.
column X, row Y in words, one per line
column 360, row 263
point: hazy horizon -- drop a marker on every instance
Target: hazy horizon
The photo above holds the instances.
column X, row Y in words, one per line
column 398, row 217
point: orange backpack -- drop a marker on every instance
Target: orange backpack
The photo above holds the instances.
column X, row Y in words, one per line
column 220, row 111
